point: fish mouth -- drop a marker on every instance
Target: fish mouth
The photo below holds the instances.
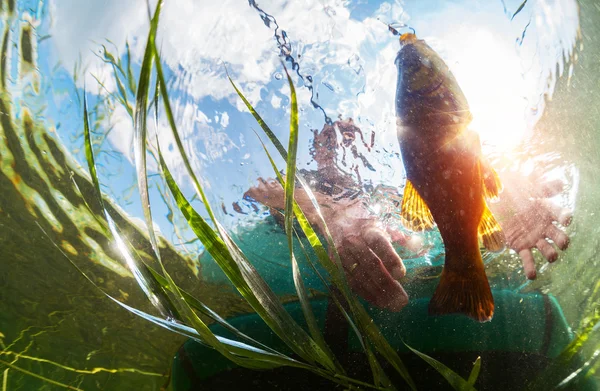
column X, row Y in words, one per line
column 407, row 39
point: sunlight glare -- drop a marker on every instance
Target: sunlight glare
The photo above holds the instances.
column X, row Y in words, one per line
column 489, row 71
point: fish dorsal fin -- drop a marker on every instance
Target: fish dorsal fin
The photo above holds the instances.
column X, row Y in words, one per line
column 490, row 231
column 416, row 215
column 492, row 185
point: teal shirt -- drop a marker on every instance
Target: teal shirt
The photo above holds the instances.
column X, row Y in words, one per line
column 527, row 322
column 522, row 324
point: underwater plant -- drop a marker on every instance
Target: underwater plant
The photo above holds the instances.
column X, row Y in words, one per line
column 188, row 315
column 181, row 310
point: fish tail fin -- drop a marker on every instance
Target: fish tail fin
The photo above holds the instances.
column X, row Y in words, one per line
column 466, row 292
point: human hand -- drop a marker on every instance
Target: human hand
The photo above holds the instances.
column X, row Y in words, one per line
column 532, row 219
column 269, row 192
column 370, row 262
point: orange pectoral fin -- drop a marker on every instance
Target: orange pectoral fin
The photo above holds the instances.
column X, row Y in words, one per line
column 492, row 185
column 416, row 215
column 490, row 231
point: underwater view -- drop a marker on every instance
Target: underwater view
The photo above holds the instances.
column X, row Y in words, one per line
column 291, row 195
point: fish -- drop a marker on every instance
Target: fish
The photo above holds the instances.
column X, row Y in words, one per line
column 447, row 178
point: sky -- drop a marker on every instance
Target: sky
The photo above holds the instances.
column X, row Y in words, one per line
column 504, row 65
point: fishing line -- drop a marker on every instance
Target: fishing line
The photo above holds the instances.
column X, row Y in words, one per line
column 394, row 30
column 285, row 49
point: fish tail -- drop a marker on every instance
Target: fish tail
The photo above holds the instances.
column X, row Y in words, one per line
column 466, row 291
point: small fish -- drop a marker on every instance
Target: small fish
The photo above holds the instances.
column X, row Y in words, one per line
column 447, row 178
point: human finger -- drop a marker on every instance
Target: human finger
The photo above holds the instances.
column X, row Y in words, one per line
column 528, row 263
column 398, row 236
column 558, row 237
column 359, row 287
column 355, row 275
column 412, row 243
column 374, row 283
column 521, row 239
column 263, row 189
column 565, row 217
column 550, row 211
column 388, row 292
column 547, row 250
column 383, row 249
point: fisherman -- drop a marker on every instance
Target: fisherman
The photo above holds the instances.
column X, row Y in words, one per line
column 372, row 265
column 528, row 330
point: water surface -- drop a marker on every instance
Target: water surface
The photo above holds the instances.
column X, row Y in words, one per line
column 531, row 81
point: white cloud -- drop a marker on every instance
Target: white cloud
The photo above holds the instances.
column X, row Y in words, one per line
column 121, row 137
column 195, row 130
column 202, row 141
column 503, row 81
column 80, row 27
column 275, row 101
column 355, row 58
column 224, row 119
column 232, row 33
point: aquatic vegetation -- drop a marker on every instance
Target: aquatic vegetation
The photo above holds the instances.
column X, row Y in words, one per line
column 45, row 190
column 310, row 348
column 45, row 187
column 10, row 356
